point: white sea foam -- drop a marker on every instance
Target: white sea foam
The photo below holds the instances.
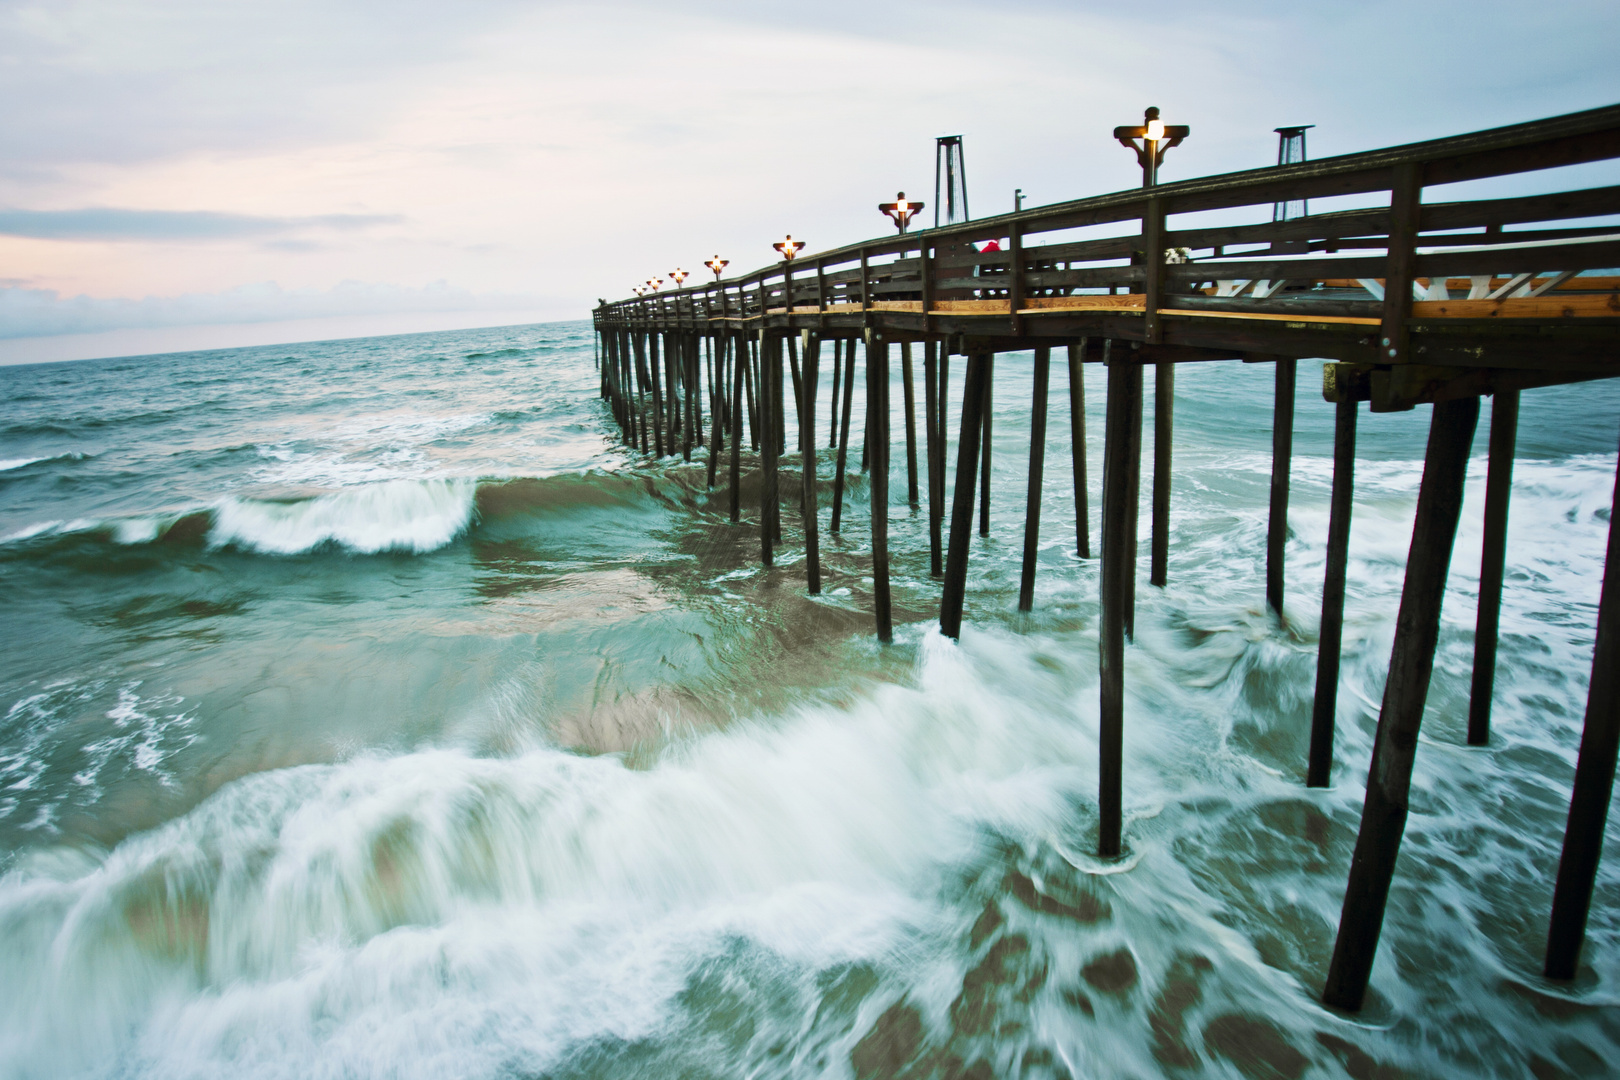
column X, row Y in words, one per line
column 7, row 464
column 395, row 515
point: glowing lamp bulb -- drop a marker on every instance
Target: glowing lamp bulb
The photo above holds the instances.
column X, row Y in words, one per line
column 1155, row 130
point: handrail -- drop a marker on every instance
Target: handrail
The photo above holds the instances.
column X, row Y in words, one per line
column 1590, row 135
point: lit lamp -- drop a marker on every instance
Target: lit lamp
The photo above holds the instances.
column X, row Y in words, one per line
column 640, row 290
column 717, row 264
column 654, row 282
column 789, row 247
column 900, row 210
column 1157, row 137
column 679, row 275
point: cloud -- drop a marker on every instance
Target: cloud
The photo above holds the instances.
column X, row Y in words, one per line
column 111, row 223
column 37, row 312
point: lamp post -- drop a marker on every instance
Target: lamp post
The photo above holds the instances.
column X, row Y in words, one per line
column 654, row 282
column 679, row 276
column 1157, row 138
column 717, row 264
column 901, row 211
column 789, row 248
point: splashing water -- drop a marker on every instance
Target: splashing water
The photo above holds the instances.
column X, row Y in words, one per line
column 368, row 711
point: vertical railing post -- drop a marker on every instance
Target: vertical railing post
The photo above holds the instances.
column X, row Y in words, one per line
column 1400, row 269
column 1152, row 270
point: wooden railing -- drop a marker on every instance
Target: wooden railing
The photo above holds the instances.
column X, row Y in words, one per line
column 1393, row 254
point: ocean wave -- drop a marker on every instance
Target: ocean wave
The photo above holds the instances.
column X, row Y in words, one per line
column 8, row 464
column 395, row 515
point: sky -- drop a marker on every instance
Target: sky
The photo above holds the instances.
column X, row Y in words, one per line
column 204, row 173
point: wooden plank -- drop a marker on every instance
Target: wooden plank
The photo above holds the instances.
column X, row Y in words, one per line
column 1132, row 303
column 1546, row 306
column 1417, row 628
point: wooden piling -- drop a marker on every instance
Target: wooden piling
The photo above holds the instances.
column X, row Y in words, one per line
column 933, row 428
column 713, row 361
column 1077, row 438
column 1133, row 511
column 1282, row 451
column 877, row 396
column 1493, row 562
column 974, row 387
column 688, row 351
column 1325, row 707
column 658, row 417
column 832, row 406
column 910, row 400
column 1417, row 627
column 739, row 370
column 768, row 403
column 811, row 374
column 1164, row 404
column 1037, row 467
column 984, row 449
column 1594, row 775
column 843, row 435
column 1118, row 568
column 750, row 363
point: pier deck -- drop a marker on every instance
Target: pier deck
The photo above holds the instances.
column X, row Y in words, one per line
column 1413, row 302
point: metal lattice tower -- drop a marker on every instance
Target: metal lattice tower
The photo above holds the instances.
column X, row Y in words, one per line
column 950, row 168
column 1291, row 151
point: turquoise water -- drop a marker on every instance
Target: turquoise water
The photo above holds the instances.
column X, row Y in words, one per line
column 369, row 711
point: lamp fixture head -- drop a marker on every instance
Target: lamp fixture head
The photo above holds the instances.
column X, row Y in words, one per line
column 901, row 211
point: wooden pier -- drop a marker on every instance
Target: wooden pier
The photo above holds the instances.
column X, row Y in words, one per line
column 1412, row 303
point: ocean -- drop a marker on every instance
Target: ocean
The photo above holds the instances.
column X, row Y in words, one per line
column 370, row 711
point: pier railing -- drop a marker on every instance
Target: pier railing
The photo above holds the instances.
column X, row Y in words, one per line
column 1413, row 302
